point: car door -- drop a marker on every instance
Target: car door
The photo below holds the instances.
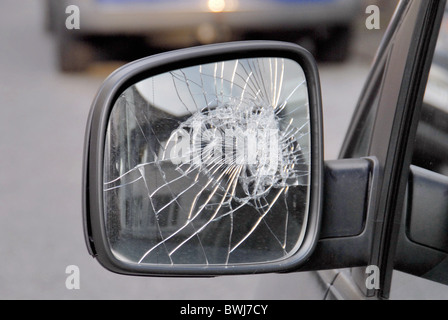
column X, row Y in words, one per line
column 385, row 124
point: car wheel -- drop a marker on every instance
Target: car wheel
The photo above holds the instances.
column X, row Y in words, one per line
column 337, row 46
column 74, row 54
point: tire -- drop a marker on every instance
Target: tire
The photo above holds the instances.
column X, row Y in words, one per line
column 73, row 54
column 336, row 47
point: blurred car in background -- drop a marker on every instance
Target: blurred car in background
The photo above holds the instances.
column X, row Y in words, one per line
column 127, row 28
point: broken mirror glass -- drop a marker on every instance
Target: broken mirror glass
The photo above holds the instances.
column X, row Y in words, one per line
column 209, row 165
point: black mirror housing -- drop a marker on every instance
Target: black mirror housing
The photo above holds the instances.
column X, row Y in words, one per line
column 242, row 217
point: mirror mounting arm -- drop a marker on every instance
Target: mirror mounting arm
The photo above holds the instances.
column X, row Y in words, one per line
column 348, row 218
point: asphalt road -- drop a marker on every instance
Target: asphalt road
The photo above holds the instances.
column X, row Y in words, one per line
column 42, row 124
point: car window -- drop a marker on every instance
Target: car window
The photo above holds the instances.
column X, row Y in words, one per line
column 430, row 153
column 431, row 144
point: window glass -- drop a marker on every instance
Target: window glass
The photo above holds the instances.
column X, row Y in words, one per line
column 431, row 153
column 431, row 145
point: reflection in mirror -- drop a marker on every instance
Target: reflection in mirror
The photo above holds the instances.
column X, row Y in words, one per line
column 209, row 165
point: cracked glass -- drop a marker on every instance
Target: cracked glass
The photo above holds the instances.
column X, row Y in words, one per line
column 209, row 165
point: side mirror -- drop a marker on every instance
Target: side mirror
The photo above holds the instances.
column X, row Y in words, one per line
column 206, row 161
